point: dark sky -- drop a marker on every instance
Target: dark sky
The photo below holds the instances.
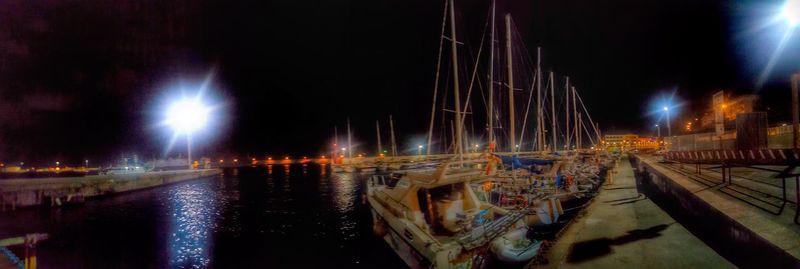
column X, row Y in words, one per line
column 88, row 79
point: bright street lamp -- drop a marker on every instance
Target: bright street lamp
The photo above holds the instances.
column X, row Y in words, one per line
column 186, row 116
column 669, row 129
column 419, row 150
column 791, row 12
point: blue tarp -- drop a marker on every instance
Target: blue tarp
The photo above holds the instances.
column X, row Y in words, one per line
column 524, row 162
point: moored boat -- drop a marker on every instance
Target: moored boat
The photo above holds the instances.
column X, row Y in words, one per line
column 433, row 218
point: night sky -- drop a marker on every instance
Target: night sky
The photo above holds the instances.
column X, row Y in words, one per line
column 89, row 79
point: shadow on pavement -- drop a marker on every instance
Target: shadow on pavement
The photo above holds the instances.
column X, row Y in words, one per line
column 592, row 249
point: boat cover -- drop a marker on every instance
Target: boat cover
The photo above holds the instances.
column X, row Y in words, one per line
column 524, row 161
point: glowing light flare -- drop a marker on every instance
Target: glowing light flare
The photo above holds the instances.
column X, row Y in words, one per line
column 187, row 115
column 791, row 12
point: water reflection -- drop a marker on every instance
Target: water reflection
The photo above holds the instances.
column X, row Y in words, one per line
column 246, row 219
column 344, row 197
column 194, row 219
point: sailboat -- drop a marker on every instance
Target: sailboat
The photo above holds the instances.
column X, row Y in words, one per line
column 433, row 217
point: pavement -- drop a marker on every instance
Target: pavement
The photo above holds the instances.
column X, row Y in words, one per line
column 750, row 206
column 622, row 228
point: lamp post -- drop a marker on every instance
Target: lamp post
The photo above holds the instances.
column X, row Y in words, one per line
column 658, row 130
column 419, row 150
column 669, row 129
column 185, row 117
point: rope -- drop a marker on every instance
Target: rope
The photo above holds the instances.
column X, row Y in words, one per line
column 12, row 258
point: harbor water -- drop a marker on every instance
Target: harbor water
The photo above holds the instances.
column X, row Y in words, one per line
column 253, row 217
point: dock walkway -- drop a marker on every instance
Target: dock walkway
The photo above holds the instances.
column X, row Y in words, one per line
column 622, row 228
column 742, row 219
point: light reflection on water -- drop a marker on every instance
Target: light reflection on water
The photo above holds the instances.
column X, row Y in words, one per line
column 345, row 196
column 253, row 217
column 194, row 218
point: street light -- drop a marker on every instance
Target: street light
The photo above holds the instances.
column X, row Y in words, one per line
column 659, row 130
column 669, row 129
column 186, row 116
column 791, row 12
column 419, row 150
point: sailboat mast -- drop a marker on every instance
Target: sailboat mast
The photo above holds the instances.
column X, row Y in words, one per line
column 567, row 134
column 349, row 140
column 511, row 134
column 378, row 132
column 539, row 118
column 576, row 131
column 391, row 130
column 453, row 134
column 454, row 50
column 490, row 111
column 580, row 128
column 436, row 81
column 597, row 130
column 335, row 142
column 553, row 111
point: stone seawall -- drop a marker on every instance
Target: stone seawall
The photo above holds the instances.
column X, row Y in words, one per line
column 727, row 236
column 15, row 193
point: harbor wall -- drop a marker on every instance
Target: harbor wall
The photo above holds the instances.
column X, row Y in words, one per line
column 25, row 192
column 725, row 235
column 777, row 138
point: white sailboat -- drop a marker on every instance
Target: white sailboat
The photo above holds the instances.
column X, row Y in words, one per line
column 433, row 218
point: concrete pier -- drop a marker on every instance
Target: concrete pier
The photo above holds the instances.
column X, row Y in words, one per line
column 734, row 219
column 623, row 228
column 15, row 193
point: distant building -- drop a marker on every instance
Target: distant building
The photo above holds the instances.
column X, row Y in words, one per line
column 646, row 143
column 620, row 139
column 621, row 142
column 732, row 106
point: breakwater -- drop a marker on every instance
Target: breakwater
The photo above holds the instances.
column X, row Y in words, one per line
column 58, row 191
